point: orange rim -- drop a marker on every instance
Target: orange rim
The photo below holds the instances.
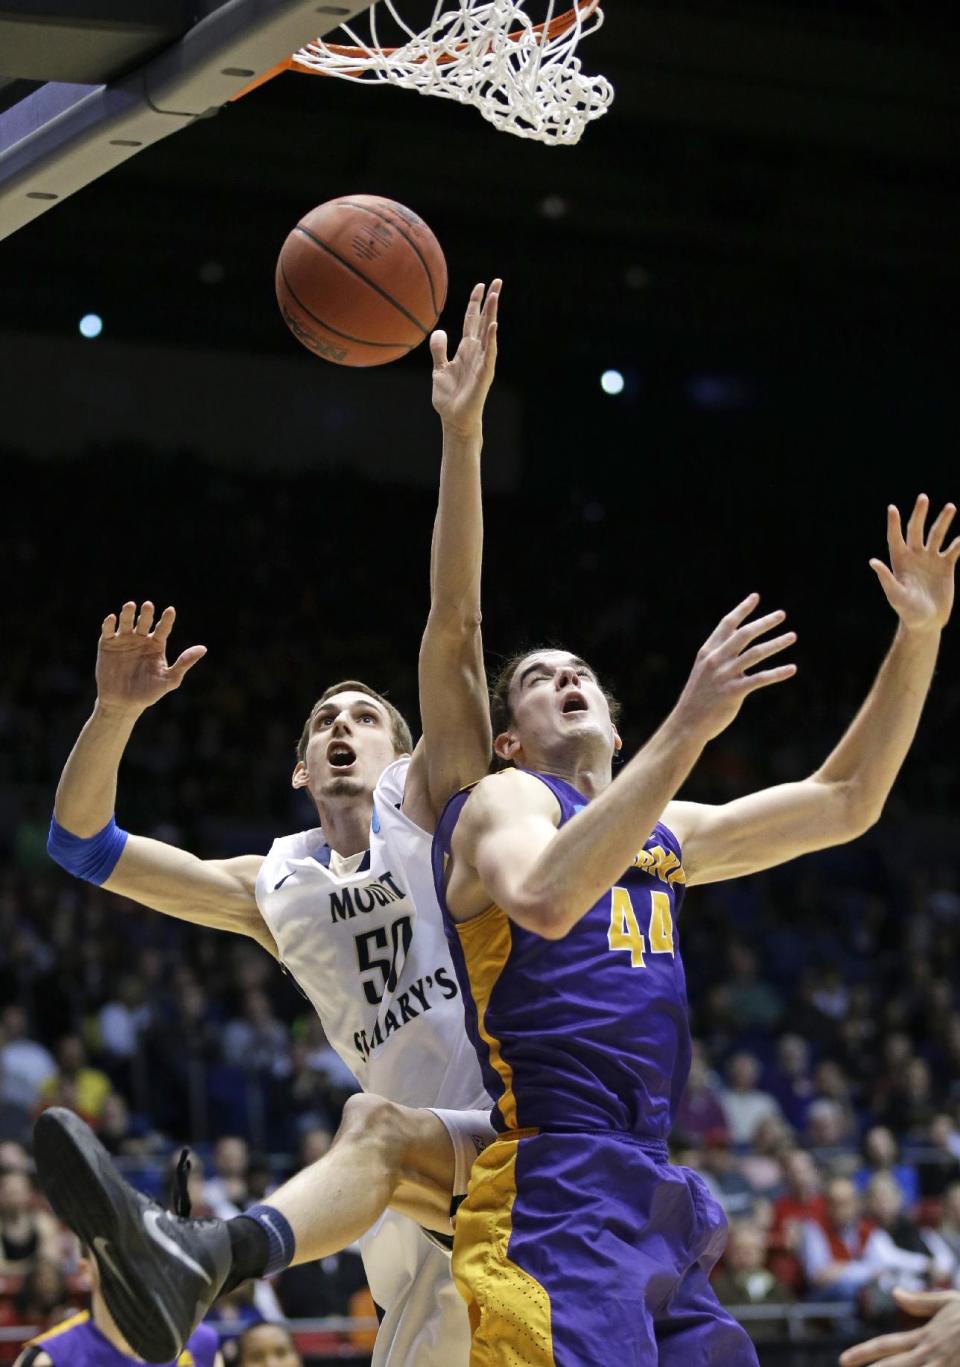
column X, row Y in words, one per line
column 560, row 25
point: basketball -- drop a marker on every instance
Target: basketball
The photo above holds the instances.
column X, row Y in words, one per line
column 361, row 280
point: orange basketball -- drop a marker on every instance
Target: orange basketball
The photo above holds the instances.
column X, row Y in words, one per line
column 361, row 280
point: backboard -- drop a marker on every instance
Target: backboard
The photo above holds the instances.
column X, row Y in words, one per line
column 85, row 86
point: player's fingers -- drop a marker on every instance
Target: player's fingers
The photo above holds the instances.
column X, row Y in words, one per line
column 438, row 348
column 490, row 348
column 894, row 530
column 765, row 649
column 766, row 677
column 915, row 526
column 952, row 553
column 127, row 613
column 743, row 635
column 471, row 318
column 186, row 661
column 165, row 625
column 145, row 619
column 922, row 1304
column 893, row 1349
column 886, row 576
column 729, row 623
column 108, row 626
column 491, row 303
column 940, row 528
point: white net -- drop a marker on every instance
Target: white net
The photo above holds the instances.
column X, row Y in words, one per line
column 524, row 76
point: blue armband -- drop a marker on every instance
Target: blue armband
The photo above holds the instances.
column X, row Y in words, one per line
column 91, row 857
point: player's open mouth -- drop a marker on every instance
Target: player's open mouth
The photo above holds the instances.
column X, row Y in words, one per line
column 340, row 755
column 576, row 702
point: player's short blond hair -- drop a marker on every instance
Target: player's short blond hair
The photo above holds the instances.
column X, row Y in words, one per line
column 399, row 730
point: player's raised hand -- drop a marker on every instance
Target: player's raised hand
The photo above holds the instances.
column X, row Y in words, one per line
column 132, row 669
column 460, row 385
column 719, row 681
column 918, row 581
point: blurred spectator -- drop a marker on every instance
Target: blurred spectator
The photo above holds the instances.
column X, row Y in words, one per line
column 881, row 1155
column 75, row 1083
column 226, row 1192
column 721, row 1172
column 897, row 1253
column 314, row 1143
column 802, row 1199
column 744, row 1104
column 700, row 1113
column 44, row 1298
column 24, row 1063
column 831, row 1250
column 762, row 1166
column 27, row 1234
column 122, row 1020
column 267, row 1345
column 744, row 1279
column 938, row 1161
column 791, row 1083
column 257, row 1040
column 120, row 1134
column 752, row 1003
column 324, row 1287
column 14, row 1157
column 949, row 1224
column 830, row 1083
column 828, row 1137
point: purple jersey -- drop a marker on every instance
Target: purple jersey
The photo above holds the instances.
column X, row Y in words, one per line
column 77, row 1342
column 589, row 1032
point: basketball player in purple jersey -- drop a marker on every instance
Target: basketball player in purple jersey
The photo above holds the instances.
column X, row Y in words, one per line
column 92, row 1339
column 578, row 1242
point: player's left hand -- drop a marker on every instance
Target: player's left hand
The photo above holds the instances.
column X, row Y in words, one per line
column 918, row 581
column 460, row 385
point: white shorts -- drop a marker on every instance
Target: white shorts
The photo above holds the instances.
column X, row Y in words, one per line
column 425, row 1322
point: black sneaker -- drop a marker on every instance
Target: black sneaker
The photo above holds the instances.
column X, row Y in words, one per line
column 158, row 1274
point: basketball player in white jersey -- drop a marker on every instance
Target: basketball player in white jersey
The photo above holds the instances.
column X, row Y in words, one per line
column 349, row 908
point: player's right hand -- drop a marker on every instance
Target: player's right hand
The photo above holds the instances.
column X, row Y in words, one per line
column 132, row 669
column 718, row 683
column 934, row 1344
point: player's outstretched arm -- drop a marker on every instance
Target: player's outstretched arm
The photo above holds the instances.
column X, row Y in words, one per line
column 507, row 849
column 846, row 795
column 934, row 1344
column 133, row 674
column 454, row 708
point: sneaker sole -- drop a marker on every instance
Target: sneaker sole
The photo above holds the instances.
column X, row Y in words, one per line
column 89, row 1196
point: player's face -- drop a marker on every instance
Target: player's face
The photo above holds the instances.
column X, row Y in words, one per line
column 350, row 745
column 555, row 699
column 269, row 1346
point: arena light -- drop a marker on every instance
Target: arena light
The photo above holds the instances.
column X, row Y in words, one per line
column 612, row 382
column 91, row 325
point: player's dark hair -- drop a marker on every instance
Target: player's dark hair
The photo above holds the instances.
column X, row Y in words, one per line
column 501, row 713
column 399, row 730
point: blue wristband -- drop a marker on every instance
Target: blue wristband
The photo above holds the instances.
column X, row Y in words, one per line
column 91, row 857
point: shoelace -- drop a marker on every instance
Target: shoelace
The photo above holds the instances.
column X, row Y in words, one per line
column 181, row 1195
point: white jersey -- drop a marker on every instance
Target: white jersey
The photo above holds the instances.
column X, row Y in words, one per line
column 368, row 948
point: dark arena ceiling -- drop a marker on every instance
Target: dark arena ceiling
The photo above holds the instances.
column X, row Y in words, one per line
column 772, row 177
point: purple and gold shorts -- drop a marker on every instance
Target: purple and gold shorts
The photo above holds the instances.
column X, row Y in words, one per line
column 591, row 1250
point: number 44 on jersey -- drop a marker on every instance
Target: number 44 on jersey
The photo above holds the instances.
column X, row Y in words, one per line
column 625, row 933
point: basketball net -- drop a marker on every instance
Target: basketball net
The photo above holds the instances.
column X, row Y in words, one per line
column 524, row 77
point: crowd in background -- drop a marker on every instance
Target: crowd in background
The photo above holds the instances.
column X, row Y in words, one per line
column 824, row 1101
